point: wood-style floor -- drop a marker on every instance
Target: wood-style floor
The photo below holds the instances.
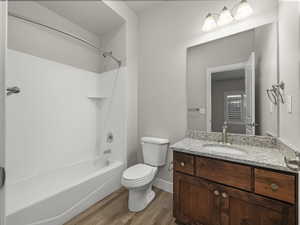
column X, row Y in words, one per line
column 113, row 210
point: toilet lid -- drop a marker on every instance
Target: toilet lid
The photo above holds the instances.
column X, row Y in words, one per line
column 138, row 172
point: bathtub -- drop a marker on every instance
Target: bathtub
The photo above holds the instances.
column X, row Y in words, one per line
column 56, row 197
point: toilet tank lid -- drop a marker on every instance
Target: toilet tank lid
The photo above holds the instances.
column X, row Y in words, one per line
column 154, row 140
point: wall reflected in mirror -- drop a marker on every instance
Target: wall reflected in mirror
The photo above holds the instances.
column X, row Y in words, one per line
column 227, row 81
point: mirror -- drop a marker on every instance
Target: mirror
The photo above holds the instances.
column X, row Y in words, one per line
column 227, row 83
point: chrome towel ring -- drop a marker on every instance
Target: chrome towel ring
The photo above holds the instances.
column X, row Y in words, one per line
column 275, row 93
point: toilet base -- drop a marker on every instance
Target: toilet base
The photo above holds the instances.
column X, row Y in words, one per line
column 139, row 198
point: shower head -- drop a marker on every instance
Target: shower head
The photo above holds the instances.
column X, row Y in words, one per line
column 109, row 54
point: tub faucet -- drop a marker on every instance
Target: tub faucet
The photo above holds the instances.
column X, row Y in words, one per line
column 224, row 133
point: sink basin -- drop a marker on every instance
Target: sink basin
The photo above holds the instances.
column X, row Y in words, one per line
column 220, row 148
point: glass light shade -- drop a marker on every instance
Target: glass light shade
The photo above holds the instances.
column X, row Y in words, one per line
column 209, row 23
column 244, row 10
column 225, row 17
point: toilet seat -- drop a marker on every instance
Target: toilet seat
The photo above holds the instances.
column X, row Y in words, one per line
column 138, row 175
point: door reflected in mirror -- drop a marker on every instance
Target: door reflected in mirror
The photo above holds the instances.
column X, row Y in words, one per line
column 228, row 101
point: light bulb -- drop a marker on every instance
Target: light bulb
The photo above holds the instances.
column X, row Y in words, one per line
column 225, row 17
column 244, row 10
column 209, row 23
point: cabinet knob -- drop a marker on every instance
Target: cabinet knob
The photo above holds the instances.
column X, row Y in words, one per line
column 216, row 192
column 244, row 222
column 182, row 164
column 224, row 195
column 197, row 223
column 274, row 187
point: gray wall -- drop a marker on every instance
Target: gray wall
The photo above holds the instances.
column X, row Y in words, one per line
column 218, row 88
column 114, row 41
column 266, row 75
column 164, row 34
column 229, row 50
column 289, row 64
column 34, row 40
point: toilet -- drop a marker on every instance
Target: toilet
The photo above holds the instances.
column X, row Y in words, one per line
column 138, row 179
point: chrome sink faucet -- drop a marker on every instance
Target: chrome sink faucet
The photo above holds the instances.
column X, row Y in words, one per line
column 224, row 133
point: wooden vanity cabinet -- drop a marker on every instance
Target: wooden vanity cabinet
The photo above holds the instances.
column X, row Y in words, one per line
column 195, row 200
column 244, row 208
column 207, row 201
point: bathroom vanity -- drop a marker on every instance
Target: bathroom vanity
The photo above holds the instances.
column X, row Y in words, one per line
column 219, row 188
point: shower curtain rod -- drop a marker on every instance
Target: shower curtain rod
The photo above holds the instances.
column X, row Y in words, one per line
column 67, row 34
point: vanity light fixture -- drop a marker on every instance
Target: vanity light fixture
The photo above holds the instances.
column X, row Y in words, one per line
column 225, row 17
column 209, row 23
column 243, row 10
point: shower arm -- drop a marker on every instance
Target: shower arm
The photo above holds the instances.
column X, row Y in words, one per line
column 71, row 35
column 105, row 54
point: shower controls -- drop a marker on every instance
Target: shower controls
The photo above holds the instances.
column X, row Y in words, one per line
column 2, row 176
column 109, row 137
column 12, row 90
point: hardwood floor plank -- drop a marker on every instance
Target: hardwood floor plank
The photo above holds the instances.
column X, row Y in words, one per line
column 113, row 210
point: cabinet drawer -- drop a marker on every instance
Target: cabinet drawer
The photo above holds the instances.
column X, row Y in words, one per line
column 224, row 172
column 183, row 163
column 275, row 185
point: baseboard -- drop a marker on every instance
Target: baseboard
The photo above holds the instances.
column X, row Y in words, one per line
column 163, row 185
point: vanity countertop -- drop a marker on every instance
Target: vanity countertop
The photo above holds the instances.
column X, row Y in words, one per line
column 256, row 156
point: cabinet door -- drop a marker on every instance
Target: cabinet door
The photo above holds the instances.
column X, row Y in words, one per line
column 196, row 201
column 244, row 208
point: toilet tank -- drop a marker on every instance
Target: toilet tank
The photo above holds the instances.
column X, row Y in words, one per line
column 155, row 150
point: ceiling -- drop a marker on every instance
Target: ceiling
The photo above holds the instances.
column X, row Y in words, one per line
column 139, row 6
column 99, row 19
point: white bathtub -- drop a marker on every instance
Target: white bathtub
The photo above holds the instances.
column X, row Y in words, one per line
column 56, row 197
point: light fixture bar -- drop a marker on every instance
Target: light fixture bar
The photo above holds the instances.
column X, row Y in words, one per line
column 226, row 16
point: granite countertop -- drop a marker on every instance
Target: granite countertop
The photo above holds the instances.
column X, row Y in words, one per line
column 271, row 158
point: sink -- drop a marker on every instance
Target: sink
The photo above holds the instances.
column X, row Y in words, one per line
column 220, row 148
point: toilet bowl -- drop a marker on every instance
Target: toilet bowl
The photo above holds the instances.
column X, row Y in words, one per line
column 139, row 178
